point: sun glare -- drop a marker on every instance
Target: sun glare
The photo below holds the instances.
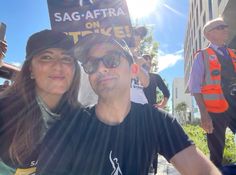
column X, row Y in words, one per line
column 141, row 8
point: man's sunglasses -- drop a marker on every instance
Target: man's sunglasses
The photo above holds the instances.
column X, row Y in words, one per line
column 221, row 27
column 111, row 60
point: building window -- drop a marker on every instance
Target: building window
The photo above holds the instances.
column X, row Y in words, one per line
column 200, row 39
column 176, row 93
column 197, row 16
column 210, row 9
column 200, row 5
column 192, row 5
column 204, row 18
column 196, row 45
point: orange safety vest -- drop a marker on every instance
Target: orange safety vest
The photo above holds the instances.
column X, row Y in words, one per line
column 211, row 89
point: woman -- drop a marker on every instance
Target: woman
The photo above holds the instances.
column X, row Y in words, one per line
column 142, row 77
column 44, row 92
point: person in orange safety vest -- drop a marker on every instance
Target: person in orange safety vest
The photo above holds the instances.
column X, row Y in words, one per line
column 212, row 82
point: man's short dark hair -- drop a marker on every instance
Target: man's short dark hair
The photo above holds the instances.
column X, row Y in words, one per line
column 140, row 31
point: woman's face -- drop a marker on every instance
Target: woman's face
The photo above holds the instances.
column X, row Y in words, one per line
column 53, row 70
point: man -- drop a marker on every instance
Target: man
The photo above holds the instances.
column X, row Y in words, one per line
column 212, row 83
column 116, row 136
column 150, row 92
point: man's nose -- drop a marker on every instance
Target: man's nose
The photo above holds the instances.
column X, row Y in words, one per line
column 101, row 67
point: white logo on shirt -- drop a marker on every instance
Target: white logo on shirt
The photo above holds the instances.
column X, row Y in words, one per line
column 115, row 165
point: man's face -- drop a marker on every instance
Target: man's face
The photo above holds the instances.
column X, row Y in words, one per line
column 219, row 34
column 148, row 61
column 107, row 81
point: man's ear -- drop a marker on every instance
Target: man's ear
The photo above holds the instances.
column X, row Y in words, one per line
column 135, row 69
column 207, row 35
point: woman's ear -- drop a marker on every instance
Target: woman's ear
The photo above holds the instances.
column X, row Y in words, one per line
column 135, row 69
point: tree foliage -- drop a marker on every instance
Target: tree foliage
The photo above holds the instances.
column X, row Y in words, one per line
column 181, row 107
column 181, row 110
column 199, row 137
column 150, row 46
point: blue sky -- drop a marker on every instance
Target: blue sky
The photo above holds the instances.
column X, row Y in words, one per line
column 167, row 17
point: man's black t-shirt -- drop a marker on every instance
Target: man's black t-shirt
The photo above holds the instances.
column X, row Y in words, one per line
column 151, row 90
column 87, row 146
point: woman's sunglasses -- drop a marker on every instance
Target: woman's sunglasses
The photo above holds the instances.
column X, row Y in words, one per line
column 111, row 60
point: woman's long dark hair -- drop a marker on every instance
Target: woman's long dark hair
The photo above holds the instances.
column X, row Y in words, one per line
column 28, row 119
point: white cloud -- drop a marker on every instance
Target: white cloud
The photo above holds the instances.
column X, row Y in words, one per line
column 166, row 60
column 174, row 11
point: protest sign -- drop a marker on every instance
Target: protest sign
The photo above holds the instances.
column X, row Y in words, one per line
column 81, row 17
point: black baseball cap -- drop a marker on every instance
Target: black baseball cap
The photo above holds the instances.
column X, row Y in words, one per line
column 47, row 39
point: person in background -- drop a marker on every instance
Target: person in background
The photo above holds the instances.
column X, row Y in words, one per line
column 155, row 82
column 44, row 92
column 118, row 137
column 5, row 85
column 142, row 79
column 151, row 94
column 212, row 82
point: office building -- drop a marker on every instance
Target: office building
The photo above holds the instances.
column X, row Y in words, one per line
column 201, row 11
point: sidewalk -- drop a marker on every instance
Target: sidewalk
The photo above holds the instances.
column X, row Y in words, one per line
column 165, row 168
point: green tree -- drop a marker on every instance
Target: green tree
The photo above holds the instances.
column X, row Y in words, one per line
column 181, row 110
column 150, row 46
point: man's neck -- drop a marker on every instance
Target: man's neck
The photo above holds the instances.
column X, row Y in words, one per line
column 218, row 43
column 113, row 112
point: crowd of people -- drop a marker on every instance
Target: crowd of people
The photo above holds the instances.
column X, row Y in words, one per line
column 46, row 131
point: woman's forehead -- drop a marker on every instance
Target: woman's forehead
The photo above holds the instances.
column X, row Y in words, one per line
column 53, row 51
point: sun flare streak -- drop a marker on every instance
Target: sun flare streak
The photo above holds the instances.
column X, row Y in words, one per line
column 141, row 8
